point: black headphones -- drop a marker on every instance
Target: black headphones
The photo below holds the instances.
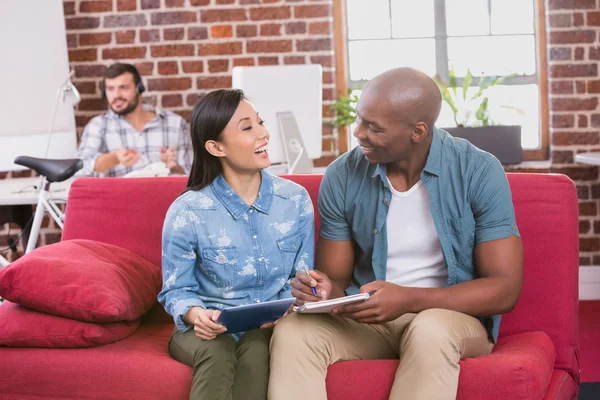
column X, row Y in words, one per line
column 123, row 68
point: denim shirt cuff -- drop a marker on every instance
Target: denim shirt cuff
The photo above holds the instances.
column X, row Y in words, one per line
column 181, row 309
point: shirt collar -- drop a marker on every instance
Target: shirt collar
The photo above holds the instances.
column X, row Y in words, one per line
column 234, row 203
column 432, row 165
column 434, row 158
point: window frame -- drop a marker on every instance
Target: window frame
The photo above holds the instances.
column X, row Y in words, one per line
column 343, row 80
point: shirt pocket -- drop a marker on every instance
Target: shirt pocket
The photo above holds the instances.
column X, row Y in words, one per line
column 220, row 265
column 462, row 239
column 289, row 246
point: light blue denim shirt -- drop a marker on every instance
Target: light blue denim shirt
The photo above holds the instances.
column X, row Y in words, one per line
column 470, row 203
column 219, row 252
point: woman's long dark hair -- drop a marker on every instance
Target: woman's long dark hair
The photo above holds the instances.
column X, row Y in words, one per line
column 210, row 116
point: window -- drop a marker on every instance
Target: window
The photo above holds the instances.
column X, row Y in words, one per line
column 488, row 37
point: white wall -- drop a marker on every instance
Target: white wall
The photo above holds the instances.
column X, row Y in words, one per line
column 34, row 64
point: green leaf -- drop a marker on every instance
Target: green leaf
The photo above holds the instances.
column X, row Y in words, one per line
column 452, row 80
column 466, row 83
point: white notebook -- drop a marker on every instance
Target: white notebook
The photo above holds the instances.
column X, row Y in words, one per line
column 326, row 306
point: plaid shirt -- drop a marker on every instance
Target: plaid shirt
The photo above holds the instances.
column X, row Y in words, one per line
column 109, row 132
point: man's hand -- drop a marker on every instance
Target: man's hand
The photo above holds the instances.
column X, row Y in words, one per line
column 169, row 157
column 388, row 302
column 127, row 157
column 205, row 326
column 303, row 283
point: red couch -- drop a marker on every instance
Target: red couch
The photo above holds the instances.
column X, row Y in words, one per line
column 537, row 355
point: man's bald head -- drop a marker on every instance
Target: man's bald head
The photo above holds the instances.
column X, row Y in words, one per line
column 411, row 94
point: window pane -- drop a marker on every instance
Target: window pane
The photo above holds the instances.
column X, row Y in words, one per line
column 493, row 55
column 517, row 105
column 369, row 58
column 508, row 105
column 467, row 17
column 368, row 19
column 412, row 18
column 512, row 16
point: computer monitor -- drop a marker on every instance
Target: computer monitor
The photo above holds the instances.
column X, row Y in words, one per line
column 277, row 91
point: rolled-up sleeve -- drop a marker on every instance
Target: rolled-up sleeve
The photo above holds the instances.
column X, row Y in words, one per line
column 185, row 153
column 334, row 225
column 491, row 202
column 91, row 146
column 179, row 243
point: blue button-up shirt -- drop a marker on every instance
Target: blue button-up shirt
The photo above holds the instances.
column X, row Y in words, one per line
column 219, row 252
column 469, row 197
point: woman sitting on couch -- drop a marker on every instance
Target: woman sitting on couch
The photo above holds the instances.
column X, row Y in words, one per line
column 236, row 236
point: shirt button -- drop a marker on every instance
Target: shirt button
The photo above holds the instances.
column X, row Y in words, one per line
column 260, row 259
column 251, row 211
column 385, row 200
column 374, row 231
column 254, row 236
column 258, row 301
column 260, row 282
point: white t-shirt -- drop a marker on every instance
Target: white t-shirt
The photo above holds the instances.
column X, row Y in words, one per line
column 415, row 255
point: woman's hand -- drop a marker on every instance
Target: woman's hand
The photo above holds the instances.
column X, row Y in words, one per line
column 205, row 326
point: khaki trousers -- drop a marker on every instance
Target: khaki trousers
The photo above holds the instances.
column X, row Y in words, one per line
column 429, row 344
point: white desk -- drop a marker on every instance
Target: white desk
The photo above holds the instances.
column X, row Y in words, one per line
column 591, row 158
column 19, row 191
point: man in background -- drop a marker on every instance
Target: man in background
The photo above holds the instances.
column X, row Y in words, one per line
column 131, row 136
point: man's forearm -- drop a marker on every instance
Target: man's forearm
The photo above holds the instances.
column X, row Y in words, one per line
column 479, row 297
column 105, row 162
column 338, row 289
column 177, row 169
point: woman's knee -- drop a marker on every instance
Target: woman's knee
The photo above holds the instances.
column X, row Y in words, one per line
column 185, row 347
column 254, row 345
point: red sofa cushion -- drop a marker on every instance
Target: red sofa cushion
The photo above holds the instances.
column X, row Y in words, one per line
column 84, row 280
column 28, row 328
column 520, row 367
column 136, row 368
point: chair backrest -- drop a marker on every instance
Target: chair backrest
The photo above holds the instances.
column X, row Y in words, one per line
column 130, row 213
column 546, row 208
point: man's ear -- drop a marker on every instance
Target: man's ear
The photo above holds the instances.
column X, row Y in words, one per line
column 420, row 132
column 215, row 148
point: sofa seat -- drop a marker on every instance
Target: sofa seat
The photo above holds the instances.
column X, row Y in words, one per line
column 520, row 367
column 138, row 367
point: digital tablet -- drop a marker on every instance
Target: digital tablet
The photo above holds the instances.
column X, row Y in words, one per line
column 252, row 316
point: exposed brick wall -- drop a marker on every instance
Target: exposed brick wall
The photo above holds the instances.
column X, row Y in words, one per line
column 186, row 47
column 573, row 34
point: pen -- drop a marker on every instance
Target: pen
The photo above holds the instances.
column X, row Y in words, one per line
column 314, row 290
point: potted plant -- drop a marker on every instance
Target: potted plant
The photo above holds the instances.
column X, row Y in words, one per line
column 473, row 121
column 344, row 110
